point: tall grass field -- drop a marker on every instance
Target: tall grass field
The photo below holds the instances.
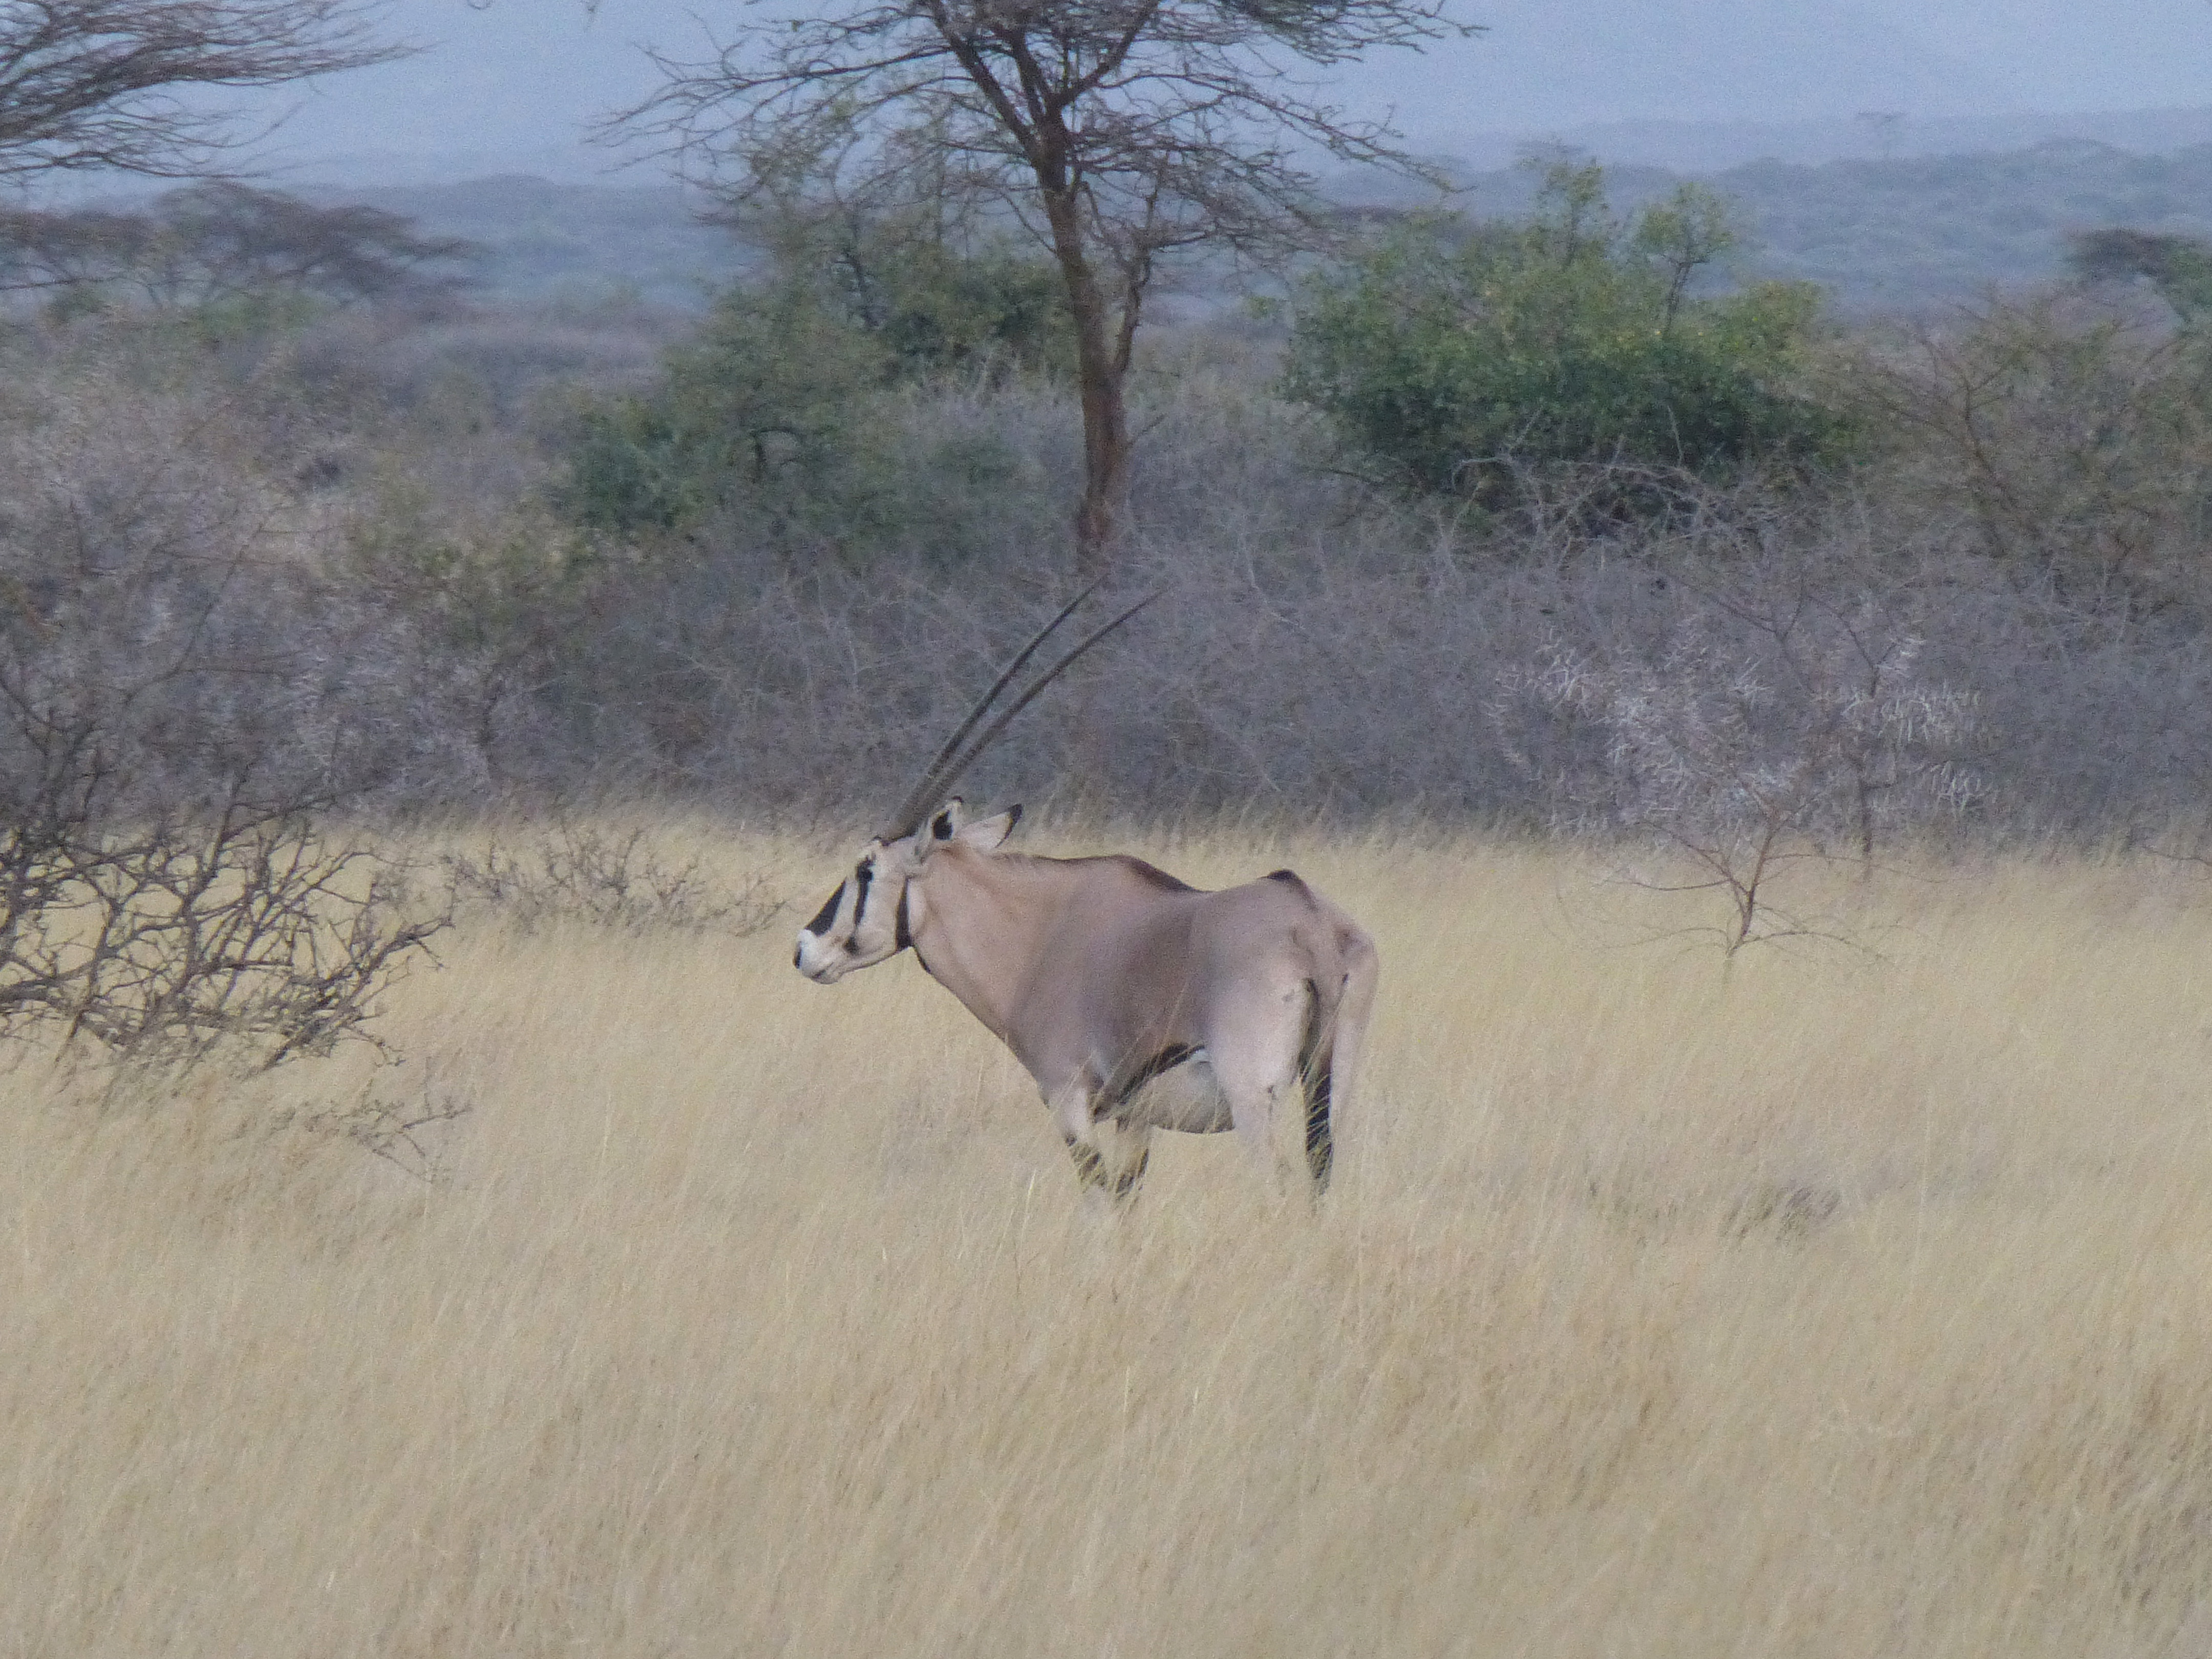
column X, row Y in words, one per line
column 1854, row 1298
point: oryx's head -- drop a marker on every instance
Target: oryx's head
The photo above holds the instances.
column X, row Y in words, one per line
column 866, row 919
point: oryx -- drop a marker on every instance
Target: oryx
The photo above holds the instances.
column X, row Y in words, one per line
column 1103, row 974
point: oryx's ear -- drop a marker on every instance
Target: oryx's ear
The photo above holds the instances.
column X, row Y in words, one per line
column 946, row 823
column 986, row 834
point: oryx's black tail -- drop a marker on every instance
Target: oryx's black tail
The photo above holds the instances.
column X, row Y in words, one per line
column 1315, row 1065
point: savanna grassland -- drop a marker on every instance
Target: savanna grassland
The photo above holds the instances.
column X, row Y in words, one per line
column 623, row 1294
column 1854, row 1301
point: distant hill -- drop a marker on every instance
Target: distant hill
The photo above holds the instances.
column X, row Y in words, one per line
column 1870, row 135
column 1908, row 233
column 547, row 241
column 1882, row 236
column 1899, row 235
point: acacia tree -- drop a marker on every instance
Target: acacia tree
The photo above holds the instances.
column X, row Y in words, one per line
column 219, row 240
column 95, row 84
column 1118, row 132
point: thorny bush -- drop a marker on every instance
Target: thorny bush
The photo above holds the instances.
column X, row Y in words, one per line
column 185, row 699
column 1773, row 727
column 574, row 872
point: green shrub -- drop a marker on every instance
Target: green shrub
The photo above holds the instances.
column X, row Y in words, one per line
column 2178, row 267
column 782, row 409
column 932, row 309
column 763, row 402
column 1454, row 355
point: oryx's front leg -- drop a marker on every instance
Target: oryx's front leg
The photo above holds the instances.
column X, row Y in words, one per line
column 1109, row 1156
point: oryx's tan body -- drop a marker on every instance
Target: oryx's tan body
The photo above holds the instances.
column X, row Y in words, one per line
column 1103, row 974
column 1135, row 1001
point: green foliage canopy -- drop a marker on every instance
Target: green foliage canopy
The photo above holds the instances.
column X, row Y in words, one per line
column 2178, row 267
column 775, row 409
column 1452, row 354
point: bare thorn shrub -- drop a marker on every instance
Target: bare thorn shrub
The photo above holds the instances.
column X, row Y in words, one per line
column 574, row 872
column 252, row 934
column 405, row 1128
column 2073, row 439
column 186, row 697
column 1775, row 727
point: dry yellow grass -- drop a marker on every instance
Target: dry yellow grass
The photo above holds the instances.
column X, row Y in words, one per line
column 1857, row 1306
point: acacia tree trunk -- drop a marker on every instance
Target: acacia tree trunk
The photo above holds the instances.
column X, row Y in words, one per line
column 1105, row 466
column 1102, row 366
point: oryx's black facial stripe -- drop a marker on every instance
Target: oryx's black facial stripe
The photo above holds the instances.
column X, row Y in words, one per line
column 863, row 874
column 827, row 914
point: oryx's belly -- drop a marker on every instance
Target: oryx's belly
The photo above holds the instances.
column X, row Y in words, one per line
column 1185, row 1098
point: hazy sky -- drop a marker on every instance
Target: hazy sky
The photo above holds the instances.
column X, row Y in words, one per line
column 511, row 82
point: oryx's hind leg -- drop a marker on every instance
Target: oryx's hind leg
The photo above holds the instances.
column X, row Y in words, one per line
column 1254, row 1043
column 1338, row 1037
column 1109, row 1156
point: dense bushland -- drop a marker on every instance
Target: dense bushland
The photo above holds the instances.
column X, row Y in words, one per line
column 535, row 555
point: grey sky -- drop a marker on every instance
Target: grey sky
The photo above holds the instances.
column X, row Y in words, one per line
column 510, row 85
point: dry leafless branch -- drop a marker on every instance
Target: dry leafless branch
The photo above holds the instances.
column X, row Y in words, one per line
column 105, row 83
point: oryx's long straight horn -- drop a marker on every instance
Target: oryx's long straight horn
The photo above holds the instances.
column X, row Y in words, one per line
column 945, row 769
column 974, row 750
column 922, row 799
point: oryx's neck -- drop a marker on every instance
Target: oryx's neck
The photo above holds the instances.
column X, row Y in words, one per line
column 980, row 923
